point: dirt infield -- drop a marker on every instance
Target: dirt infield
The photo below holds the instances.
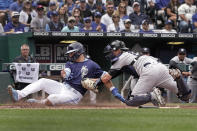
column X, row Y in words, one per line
column 22, row 105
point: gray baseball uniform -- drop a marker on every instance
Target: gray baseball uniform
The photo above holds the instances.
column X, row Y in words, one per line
column 192, row 81
column 182, row 64
column 151, row 74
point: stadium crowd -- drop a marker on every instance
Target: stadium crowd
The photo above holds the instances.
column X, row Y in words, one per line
column 143, row 16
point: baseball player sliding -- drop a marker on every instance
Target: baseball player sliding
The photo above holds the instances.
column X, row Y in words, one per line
column 151, row 74
column 70, row 92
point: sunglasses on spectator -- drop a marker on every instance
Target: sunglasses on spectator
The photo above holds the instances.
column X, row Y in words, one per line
column 15, row 17
column 88, row 21
column 76, row 16
column 97, row 16
column 115, row 17
column 145, row 24
column 110, row 7
column 72, row 21
column 128, row 23
column 122, row 6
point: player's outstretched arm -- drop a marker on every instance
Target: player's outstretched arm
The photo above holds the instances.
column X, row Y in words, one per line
column 114, row 91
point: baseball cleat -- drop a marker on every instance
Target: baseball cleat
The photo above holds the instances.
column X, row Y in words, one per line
column 13, row 93
column 156, row 97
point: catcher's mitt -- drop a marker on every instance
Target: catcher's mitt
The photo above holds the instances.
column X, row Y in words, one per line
column 175, row 73
column 89, row 84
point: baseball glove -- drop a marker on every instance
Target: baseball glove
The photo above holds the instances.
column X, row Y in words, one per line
column 89, row 84
column 175, row 73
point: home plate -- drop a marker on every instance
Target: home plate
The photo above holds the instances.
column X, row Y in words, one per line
column 164, row 107
column 170, row 107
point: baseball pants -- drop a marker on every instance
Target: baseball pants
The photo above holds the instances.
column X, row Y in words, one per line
column 59, row 93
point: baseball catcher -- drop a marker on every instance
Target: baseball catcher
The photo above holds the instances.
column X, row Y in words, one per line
column 151, row 74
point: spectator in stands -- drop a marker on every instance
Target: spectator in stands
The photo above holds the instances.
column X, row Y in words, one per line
column 23, row 58
column 4, row 4
column 27, row 14
column 54, row 24
column 110, row 2
column 116, row 26
column 137, row 16
column 87, row 25
column 194, row 23
column 16, row 6
column 63, row 14
column 122, row 12
column 14, row 26
column 127, row 26
column 4, row 11
column 168, row 27
column 180, row 62
column 3, row 16
column 71, row 25
column 150, row 10
column 129, row 9
column 106, row 19
column 52, row 7
column 78, row 20
column 161, row 10
column 77, row 11
column 145, row 27
column 39, row 22
column 91, row 5
column 96, row 24
column 186, row 11
column 172, row 11
column 99, row 7
column 71, row 6
column 85, row 12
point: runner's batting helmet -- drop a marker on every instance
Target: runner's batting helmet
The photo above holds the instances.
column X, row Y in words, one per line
column 75, row 47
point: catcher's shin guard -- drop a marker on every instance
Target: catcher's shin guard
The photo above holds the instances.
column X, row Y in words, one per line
column 184, row 93
column 137, row 100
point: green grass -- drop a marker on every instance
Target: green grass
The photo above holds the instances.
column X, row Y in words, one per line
column 98, row 120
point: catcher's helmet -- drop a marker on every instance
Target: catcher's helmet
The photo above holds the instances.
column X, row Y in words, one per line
column 117, row 44
column 145, row 50
column 75, row 47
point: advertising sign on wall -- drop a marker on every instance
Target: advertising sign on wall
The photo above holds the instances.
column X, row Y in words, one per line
column 43, row 53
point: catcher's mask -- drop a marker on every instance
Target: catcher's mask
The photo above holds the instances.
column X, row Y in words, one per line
column 75, row 47
column 115, row 45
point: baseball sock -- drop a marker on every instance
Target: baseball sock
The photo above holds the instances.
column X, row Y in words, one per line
column 115, row 93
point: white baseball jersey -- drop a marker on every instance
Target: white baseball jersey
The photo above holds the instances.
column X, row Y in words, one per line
column 187, row 10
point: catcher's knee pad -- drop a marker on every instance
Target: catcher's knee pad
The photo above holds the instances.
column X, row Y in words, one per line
column 184, row 93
